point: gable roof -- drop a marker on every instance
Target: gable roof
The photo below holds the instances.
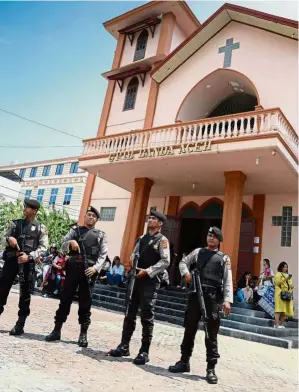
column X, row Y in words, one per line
column 221, row 18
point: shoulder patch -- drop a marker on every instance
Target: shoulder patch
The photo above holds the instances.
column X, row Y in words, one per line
column 164, row 243
column 228, row 264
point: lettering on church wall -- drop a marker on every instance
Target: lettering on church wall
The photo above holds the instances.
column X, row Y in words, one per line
column 154, row 152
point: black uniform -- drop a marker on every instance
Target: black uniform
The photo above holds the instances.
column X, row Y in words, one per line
column 154, row 257
column 32, row 239
column 93, row 245
column 216, row 280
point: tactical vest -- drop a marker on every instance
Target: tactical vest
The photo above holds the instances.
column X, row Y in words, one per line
column 211, row 266
column 149, row 253
column 90, row 242
column 27, row 234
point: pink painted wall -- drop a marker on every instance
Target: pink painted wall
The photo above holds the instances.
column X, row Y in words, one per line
column 106, row 194
column 122, row 121
column 268, row 60
column 151, row 48
column 177, row 37
column 271, row 237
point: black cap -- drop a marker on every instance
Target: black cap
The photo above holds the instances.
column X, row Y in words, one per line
column 94, row 210
column 217, row 233
column 32, row 204
column 158, row 215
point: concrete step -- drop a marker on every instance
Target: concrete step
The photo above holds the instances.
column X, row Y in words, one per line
column 269, row 340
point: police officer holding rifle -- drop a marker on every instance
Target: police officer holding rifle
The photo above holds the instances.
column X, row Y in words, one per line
column 150, row 256
column 25, row 240
column 87, row 247
column 212, row 288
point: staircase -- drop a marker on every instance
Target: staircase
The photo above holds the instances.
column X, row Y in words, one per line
column 243, row 323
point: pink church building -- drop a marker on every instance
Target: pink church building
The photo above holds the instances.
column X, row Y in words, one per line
column 200, row 121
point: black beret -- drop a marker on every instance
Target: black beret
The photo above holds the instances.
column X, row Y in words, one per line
column 32, row 203
column 217, row 232
column 94, row 210
column 158, row 215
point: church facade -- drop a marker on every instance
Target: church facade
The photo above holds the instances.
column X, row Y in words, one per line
column 201, row 123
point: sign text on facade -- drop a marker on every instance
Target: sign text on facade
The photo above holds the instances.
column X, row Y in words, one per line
column 153, row 152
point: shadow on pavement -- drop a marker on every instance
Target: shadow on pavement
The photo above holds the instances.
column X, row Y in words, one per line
column 102, row 356
column 39, row 337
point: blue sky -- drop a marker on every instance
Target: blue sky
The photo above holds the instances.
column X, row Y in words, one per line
column 52, row 56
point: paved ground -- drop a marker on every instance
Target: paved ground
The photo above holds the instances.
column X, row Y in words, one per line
column 29, row 364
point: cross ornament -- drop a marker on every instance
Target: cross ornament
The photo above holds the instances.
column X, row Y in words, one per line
column 228, row 50
column 286, row 221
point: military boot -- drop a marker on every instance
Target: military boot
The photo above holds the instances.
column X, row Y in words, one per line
column 18, row 329
column 122, row 350
column 82, row 342
column 55, row 334
column 180, row 367
column 141, row 359
column 211, row 375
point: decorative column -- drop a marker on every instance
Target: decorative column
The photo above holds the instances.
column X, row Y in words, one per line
column 136, row 217
column 232, row 214
column 258, row 210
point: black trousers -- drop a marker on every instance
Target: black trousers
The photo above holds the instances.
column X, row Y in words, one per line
column 192, row 316
column 144, row 296
column 76, row 278
column 8, row 275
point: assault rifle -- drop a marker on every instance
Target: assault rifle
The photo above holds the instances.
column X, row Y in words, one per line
column 83, row 250
column 198, row 289
column 131, row 283
column 20, row 252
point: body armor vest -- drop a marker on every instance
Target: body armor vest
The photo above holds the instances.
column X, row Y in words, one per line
column 27, row 234
column 211, row 266
column 149, row 253
column 89, row 238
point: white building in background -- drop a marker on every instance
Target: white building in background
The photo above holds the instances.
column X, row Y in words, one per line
column 10, row 186
column 57, row 183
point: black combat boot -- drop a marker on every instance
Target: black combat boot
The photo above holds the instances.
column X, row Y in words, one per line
column 122, row 350
column 180, row 367
column 211, row 375
column 82, row 342
column 141, row 359
column 18, row 329
column 55, row 334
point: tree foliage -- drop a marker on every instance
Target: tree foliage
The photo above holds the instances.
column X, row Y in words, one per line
column 57, row 222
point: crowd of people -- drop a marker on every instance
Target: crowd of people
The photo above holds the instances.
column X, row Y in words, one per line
column 272, row 292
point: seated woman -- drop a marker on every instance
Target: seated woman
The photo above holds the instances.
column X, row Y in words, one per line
column 244, row 291
column 58, row 267
column 284, row 306
column 116, row 273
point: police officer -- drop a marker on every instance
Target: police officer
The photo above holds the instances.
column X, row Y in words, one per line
column 25, row 241
column 216, row 280
column 87, row 247
column 154, row 258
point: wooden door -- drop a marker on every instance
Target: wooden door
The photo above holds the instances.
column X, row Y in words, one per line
column 246, row 256
column 171, row 230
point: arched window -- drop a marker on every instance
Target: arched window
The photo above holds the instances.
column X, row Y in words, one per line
column 141, row 45
column 131, row 94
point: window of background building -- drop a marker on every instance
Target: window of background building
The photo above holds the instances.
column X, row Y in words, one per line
column 131, row 94
column 22, row 173
column 28, row 193
column 53, row 196
column 33, row 172
column 59, row 169
column 46, row 170
column 141, row 45
column 68, row 196
column 40, row 195
column 74, row 167
column 107, row 214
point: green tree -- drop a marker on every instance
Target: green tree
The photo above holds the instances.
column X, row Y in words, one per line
column 58, row 222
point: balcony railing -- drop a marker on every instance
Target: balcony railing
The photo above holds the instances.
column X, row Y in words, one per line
column 228, row 128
